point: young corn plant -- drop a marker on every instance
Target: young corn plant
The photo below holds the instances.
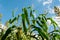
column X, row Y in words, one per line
column 29, row 24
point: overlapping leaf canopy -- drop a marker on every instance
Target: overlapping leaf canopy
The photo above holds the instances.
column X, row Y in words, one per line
column 29, row 25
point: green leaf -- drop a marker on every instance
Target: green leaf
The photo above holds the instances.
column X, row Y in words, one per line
column 7, row 32
column 53, row 22
column 12, row 20
column 41, row 33
column 34, row 22
column 24, row 25
column 54, row 31
column 55, row 36
column 31, row 15
column 12, row 13
column 42, row 22
column 26, row 15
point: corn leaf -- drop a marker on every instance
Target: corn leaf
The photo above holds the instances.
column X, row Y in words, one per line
column 24, row 25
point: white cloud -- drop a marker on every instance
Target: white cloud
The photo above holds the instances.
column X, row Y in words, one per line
column 51, row 10
column 59, row 0
column 47, row 2
column 49, row 22
column 57, row 20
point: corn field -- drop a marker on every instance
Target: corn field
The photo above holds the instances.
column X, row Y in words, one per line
column 25, row 26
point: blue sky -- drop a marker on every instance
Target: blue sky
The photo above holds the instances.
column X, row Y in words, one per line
column 6, row 7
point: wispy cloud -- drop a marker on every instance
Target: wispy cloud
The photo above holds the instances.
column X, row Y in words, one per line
column 47, row 2
column 58, row 7
column 59, row 0
column 51, row 10
column 39, row 0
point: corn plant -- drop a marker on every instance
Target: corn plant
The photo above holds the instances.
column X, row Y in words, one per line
column 28, row 25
